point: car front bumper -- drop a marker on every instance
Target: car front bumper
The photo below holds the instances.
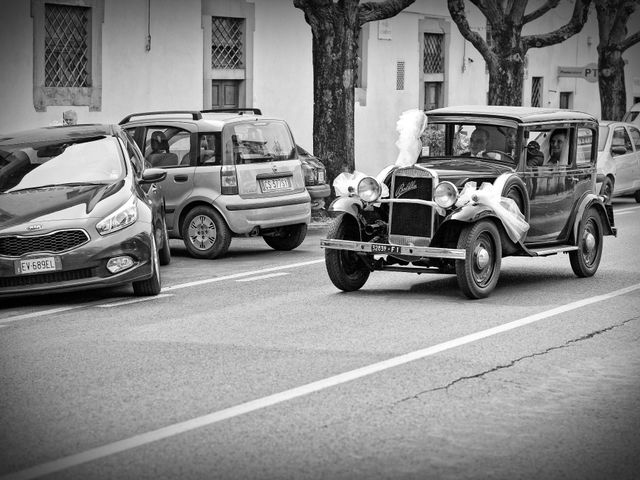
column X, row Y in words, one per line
column 85, row 266
column 396, row 250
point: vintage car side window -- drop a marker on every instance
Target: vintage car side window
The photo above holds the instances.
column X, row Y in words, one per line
column 621, row 139
column 635, row 137
column 584, row 152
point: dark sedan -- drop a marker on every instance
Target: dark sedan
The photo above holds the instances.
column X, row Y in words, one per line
column 78, row 209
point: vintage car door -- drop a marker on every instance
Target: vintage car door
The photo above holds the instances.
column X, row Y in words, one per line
column 551, row 189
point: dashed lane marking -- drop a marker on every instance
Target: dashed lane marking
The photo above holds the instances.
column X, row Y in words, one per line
column 262, row 277
column 134, row 300
column 53, row 311
column 251, row 406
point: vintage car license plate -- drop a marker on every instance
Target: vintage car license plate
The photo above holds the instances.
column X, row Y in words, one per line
column 377, row 248
column 37, row 265
column 275, row 184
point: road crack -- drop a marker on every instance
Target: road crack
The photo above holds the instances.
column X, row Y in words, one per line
column 518, row 360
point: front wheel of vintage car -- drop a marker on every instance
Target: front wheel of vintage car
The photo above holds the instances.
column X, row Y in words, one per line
column 345, row 268
column 205, row 233
column 586, row 259
column 152, row 285
column 478, row 273
column 287, row 238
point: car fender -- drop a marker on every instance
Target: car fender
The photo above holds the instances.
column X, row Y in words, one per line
column 349, row 205
column 592, row 200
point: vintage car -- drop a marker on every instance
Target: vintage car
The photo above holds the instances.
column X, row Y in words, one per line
column 485, row 182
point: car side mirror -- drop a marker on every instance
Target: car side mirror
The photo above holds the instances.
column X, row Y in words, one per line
column 618, row 150
column 153, row 175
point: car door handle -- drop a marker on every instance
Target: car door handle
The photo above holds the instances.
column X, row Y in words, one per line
column 180, row 178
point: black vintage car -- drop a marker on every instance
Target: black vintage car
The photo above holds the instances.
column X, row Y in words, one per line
column 489, row 182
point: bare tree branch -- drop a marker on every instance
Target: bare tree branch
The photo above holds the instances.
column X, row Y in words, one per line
column 578, row 19
column 548, row 5
column 373, row 11
column 630, row 41
column 456, row 9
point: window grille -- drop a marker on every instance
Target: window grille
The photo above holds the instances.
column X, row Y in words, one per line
column 227, row 42
column 400, row 75
column 536, row 92
column 433, row 59
column 66, row 61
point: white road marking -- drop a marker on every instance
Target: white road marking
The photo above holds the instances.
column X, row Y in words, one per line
column 135, row 300
column 52, row 311
column 625, row 210
column 262, row 277
column 260, row 403
column 240, row 275
column 41, row 313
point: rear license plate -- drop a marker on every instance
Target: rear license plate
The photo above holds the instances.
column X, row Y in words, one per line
column 377, row 248
column 275, row 184
column 38, row 265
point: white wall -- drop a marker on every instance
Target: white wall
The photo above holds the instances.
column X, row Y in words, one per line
column 170, row 75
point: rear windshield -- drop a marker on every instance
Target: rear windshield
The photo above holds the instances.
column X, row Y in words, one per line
column 259, row 141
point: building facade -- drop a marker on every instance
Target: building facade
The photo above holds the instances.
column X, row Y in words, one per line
column 108, row 58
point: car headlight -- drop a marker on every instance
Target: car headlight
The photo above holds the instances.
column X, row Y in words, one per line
column 369, row 189
column 124, row 216
column 445, row 194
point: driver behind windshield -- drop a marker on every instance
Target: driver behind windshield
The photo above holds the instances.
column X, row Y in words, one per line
column 478, row 143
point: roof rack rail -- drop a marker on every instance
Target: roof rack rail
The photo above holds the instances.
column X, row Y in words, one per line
column 195, row 114
column 241, row 111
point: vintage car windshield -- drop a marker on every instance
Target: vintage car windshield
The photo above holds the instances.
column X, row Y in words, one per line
column 259, row 141
column 492, row 142
column 90, row 161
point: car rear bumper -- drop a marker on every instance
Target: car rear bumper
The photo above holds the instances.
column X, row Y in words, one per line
column 272, row 212
column 84, row 267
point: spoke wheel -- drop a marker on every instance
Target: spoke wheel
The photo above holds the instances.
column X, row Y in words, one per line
column 586, row 259
column 478, row 274
column 205, row 233
column 346, row 270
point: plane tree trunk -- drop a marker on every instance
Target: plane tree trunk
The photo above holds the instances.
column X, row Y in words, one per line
column 335, row 28
column 612, row 31
column 505, row 49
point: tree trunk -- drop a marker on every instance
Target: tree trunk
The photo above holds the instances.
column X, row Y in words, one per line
column 334, row 66
column 613, row 94
column 506, row 74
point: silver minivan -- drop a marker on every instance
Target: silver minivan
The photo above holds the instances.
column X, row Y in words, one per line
column 231, row 172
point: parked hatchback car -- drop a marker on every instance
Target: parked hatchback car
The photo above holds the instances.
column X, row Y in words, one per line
column 484, row 183
column 619, row 159
column 315, row 178
column 229, row 173
column 78, row 210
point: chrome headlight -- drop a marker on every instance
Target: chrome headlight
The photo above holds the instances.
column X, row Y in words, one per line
column 445, row 194
column 126, row 215
column 369, row 189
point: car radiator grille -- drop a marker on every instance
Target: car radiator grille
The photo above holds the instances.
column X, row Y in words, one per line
column 411, row 224
column 56, row 242
column 41, row 278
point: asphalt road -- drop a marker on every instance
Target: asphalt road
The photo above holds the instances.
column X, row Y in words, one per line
column 255, row 366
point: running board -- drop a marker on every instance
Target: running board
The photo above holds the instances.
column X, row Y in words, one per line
column 546, row 251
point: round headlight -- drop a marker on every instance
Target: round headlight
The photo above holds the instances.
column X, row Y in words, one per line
column 445, row 194
column 369, row 189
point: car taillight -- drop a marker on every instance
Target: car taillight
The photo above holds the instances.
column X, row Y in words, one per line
column 228, row 180
column 309, row 177
column 321, row 173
